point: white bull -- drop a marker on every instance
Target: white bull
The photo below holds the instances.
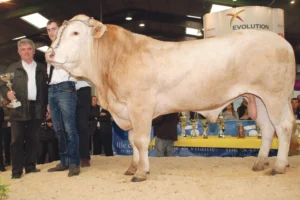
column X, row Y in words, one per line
column 139, row 78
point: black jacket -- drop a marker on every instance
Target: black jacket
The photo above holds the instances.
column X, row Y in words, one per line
column 20, row 87
column 105, row 121
column 165, row 126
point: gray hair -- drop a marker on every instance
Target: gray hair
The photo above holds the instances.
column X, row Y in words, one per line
column 26, row 41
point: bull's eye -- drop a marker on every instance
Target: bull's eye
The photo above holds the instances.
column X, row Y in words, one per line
column 75, row 33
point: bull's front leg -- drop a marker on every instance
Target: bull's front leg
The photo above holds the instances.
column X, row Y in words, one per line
column 135, row 156
column 140, row 115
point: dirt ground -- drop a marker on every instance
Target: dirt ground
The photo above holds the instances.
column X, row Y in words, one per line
column 171, row 178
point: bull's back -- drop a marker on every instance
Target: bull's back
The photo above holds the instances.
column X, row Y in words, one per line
column 244, row 61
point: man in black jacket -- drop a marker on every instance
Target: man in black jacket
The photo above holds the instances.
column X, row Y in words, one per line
column 101, row 129
column 165, row 130
column 29, row 85
column 2, row 166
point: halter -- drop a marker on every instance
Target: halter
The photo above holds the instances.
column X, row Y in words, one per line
column 65, row 24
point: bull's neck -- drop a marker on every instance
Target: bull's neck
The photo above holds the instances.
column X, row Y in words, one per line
column 106, row 53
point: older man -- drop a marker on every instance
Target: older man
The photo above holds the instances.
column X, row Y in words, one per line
column 30, row 88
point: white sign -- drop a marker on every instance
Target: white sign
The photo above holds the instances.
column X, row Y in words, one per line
column 250, row 17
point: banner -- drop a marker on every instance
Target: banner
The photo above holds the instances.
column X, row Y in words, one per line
column 249, row 17
column 121, row 145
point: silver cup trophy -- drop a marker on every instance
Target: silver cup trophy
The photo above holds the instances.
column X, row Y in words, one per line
column 183, row 122
column 194, row 126
column 221, row 126
column 205, row 127
column 7, row 77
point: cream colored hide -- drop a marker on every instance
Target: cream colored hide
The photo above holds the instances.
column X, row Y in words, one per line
column 139, row 78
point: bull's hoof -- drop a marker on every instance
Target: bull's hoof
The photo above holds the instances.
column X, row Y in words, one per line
column 148, row 172
column 275, row 172
column 129, row 173
column 288, row 165
column 137, row 179
column 258, row 168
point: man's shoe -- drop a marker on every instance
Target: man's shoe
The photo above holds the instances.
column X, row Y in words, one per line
column 34, row 170
column 74, row 171
column 85, row 163
column 58, row 168
column 2, row 169
column 16, row 175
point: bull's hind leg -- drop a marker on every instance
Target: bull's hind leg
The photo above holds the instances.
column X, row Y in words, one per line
column 135, row 156
column 284, row 127
column 267, row 136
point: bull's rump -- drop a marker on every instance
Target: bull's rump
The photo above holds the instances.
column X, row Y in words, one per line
column 209, row 72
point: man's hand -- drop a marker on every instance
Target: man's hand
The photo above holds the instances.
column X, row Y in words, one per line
column 11, row 95
column 48, row 108
column 102, row 114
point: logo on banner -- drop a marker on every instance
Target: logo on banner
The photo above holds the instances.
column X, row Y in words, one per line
column 244, row 26
column 234, row 16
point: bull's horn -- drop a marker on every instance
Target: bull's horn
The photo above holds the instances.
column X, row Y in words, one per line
column 99, row 30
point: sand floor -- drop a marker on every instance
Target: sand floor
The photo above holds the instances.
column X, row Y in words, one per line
column 171, row 178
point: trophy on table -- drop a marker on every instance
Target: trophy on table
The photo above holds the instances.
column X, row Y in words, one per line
column 298, row 129
column 205, row 127
column 241, row 131
column 221, row 126
column 7, row 77
column 259, row 135
column 182, row 122
column 194, row 124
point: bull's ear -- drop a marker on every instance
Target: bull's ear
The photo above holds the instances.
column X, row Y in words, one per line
column 99, row 30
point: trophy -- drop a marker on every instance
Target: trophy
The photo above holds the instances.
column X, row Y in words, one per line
column 298, row 129
column 182, row 122
column 241, row 131
column 194, row 124
column 7, row 78
column 221, row 126
column 258, row 131
column 205, row 127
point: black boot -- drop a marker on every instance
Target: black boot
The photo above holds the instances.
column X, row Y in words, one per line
column 2, row 168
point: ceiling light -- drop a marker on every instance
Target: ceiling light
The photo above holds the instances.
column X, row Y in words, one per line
column 292, row 2
column 193, row 31
column 36, row 20
column 218, row 8
column 192, row 16
column 2, row 1
column 141, row 24
column 128, row 18
column 43, row 49
column 17, row 38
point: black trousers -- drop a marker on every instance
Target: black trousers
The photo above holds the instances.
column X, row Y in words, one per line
column 49, row 147
column 1, row 148
column 101, row 139
column 24, row 144
column 84, row 101
column 6, row 143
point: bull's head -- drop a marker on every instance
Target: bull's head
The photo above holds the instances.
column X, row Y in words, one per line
column 71, row 49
